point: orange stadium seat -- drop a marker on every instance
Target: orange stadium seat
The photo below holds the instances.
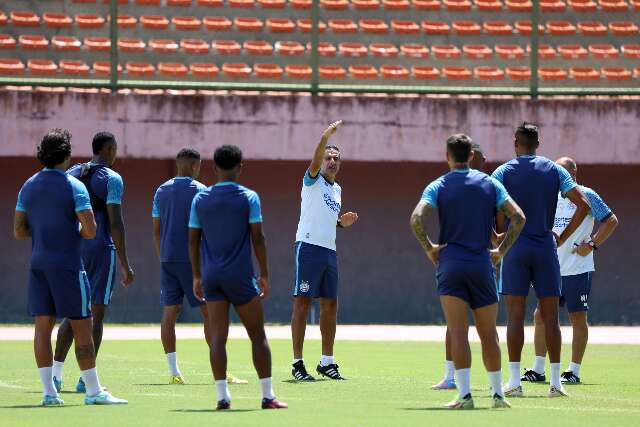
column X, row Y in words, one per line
column 373, row 26
column 140, row 69
column 65, row 43
column 457, row 5
column 447, row 51
column 195, row 46
column 226, row 47
column 545, row 51
column 425, row 72
column 334, row 4
column 366, row 4
column 477, row 51
column 157, row 22
column 614, row 5
column 404, row 27
column 126, row 44
column 89, row 20
column 186, row 22
column 466, row 28
column 163, row 45
column 592, row 28
column 127, row 21
column 11, row 66
column 179, row 3
column 552, row 73
column 497, row 28
column 631, row 51
column 42, row 66
column 636, row 72
column 24, row 19
column 172, row 69
column 3, row 18
column 343, row 26
column 236, row 69
column 281, row 25
column 583, row 5
column 489, row 5
column 147, row 2
column 616, row 73
column 298, row 71
column 394, row 71
column 35, row 42
column 97, row 44
column 635, row 4
column 268, row 71
column 242, row 4
column 435, row 27
column 426, row 4
column 272, row 4
column 524, row 27
column 414, row 50
column 509, row 51
column 258, row 47
column 384, row 50
column 103, row 68
column 210, row 3
column 57, row 20
column 363, row 71
column 584, row 73
column 487, row 72
column 74, row 67
column 552, row 6
column 353, row 49
column 248, row 24
column 603, row 51
column 572, row 51
column 324, row 49
column 331, row 71
column 304, row 25
column 561, row 28
column 395, row 4
column 103, row 1
column 519, row 5
column 204, row 69
column 518, row 73
column 289, row 48
column 623, row 28
column 301, row 4
column 217, row 23
column 7, row 41
column 456, row 73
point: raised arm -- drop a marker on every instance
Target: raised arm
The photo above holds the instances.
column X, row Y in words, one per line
column 418, row 219
column 21, row 228
column 318, row 154
column 516, row 223
column 260, row 248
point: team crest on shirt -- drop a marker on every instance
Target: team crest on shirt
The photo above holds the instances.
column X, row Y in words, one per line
column 304, row 286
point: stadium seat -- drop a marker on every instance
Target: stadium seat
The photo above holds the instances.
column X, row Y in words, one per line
column 289, row 48
column 603, row 51
column 11, row 66
column 477, row 51
column 147, row 2
column 456, row 73
column 487, row 72
column 281, row 25
column 210, row 3
column 583, row 5
column 157, row 22
column 35, row 42
column 552, row 73
column 3, row 18
column 305, row 25
column 272, row 4
column 268, row 71
column 248, row 24
column 204, row 69
column 425, row 72
column 127, row 21
column 226, row 47
column 426, row 4
column 509, row 51
column 518, row 73
column 140, row 69
column 373, row 26
column 466, row 28
column 57, row 20
column 242, row 4
column 561, row 28
column 524, row 27
column 217, row 23
column 366, row 4
column 186, row 23
column 519, row 5
column 179, row 3
column 396, row 4
column 613, row 5
column 636, row 5
column 65, row 43
column 545, row 51
column 404, row 27
column 620, row 28
column 163, row 45
column 584, row 73
column 42, row 67
column 616, row 73
column 126, row 44
column 24, row 19
column 298, row 71
column 172, row 69
column 195, row 46
column 552, row 6
column 103, row 1
column 331, row 71
column 457, row 5
column 7, row 41
column 97, row 44
column 414, row 50
column 351, row 49
column 447, row 51
column 74, row 67
column 363, row 71
column 394, row 71
column 384, row 50
column 631, row 51
column 436, row 27
column 636, row 72
column 103, row 68
column 258, row 47
column 301, row 4
column 572, row 51
column 89, row 20
column 592, row 28
column 497, row 28
column 324, row 49
column 334, row 4
column 236, row 70
column 488, row 5
column 343, row 26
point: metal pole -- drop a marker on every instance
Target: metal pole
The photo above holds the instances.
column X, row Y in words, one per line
column 113, row 54
column 535, row 18
column 315, row 32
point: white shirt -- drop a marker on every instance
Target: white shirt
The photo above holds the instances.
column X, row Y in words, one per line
column 319, row 211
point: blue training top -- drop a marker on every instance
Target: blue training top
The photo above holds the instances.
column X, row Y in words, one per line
column 51, row 199
column 172, row 205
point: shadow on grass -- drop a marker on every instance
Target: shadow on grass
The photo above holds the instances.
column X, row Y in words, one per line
column 35, row 406
column 440, row 408
column 174, row 385
column 308, row 382
column 213, row 410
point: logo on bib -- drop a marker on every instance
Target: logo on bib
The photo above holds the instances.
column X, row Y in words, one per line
column 332, row 204
column 304, row 286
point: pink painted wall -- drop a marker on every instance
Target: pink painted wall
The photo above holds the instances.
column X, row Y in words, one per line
column 594, row 131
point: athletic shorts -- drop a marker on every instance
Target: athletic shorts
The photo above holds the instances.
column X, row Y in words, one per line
column 100, row 264
column 236, row 291
column 471, row 281
column 316, row 273
column 527, row 266
column 176, row 282
column 575, row 292
column 61, row 293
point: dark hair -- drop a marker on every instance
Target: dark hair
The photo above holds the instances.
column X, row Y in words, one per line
column 100, row 140
column 332, row 147
column 55, row 147
column 227, row 157
column 188, row 153
column 459, row 146
column 528, row 133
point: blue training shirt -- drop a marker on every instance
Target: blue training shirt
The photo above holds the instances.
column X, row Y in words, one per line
column 105, row 187
column 467, row 201
column 534, row 182
column 599, row 209
column 51, row 200
column 172, row 205
column 224, row 212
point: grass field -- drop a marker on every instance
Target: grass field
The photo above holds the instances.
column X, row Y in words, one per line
column 388, row 385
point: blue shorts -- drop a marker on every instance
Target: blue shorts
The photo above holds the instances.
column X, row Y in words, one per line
column 61, row 293
column 316, row 271
column 100, row 264
column 575, row 291
column 526, row 266
column 471, row 281
column 176, row 282
column 236, row 291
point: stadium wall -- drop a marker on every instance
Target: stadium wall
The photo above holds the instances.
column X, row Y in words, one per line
column 384, row 276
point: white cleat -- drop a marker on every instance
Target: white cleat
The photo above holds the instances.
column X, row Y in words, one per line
column 104, row 398
column 512, row 391
column 557, row 392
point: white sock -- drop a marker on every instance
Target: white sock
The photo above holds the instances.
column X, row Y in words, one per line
column 463, row 378
column 538, row 365
column 555, row 375
column 91, row 381
column 326, row 360
column 575, row 368
column 449, row 370
column 172, row 361
column 57, row 369
column 46, row 378
column 514, row 374
column 495, row 379
column 267, row 388
column 223, row 390
column 296, row 361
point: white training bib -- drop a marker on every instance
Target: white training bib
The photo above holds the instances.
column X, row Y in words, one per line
column 319, row 211
column 572, row 263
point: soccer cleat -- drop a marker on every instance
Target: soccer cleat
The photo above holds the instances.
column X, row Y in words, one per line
column 512, row 391
column 177, row 379
column 300, row 373
column 273, row 404
column 461, row 403
column 223, row 405
column 52, row 401
column 445, row 384
column 57, row 384
column 568, row 377
column 500, row 402
column 557, row 392
column 330, row 371
column 533, row 377
column 104, row 398
column 81, row 387
column 235, row 380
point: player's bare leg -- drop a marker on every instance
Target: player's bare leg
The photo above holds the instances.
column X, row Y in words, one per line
column 516, row 308
column 44, row 358
column 448, row 382
column 580, row 329
column 455, row 312
column 218, row 315
column 170, row 314
column 536, row 372
column 328, row 321
column 301, row 308
column 549, row 307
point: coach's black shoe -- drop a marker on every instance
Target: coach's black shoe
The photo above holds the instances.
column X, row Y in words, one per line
column 568, row 377
column 330, row 371
column 223, row 405
column 273, row 404
column 300, row 373
column 533, row 377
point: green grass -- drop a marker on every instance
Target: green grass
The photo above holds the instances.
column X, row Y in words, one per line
column 388, row 386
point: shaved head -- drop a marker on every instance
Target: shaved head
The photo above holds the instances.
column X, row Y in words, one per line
column 569, row 164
